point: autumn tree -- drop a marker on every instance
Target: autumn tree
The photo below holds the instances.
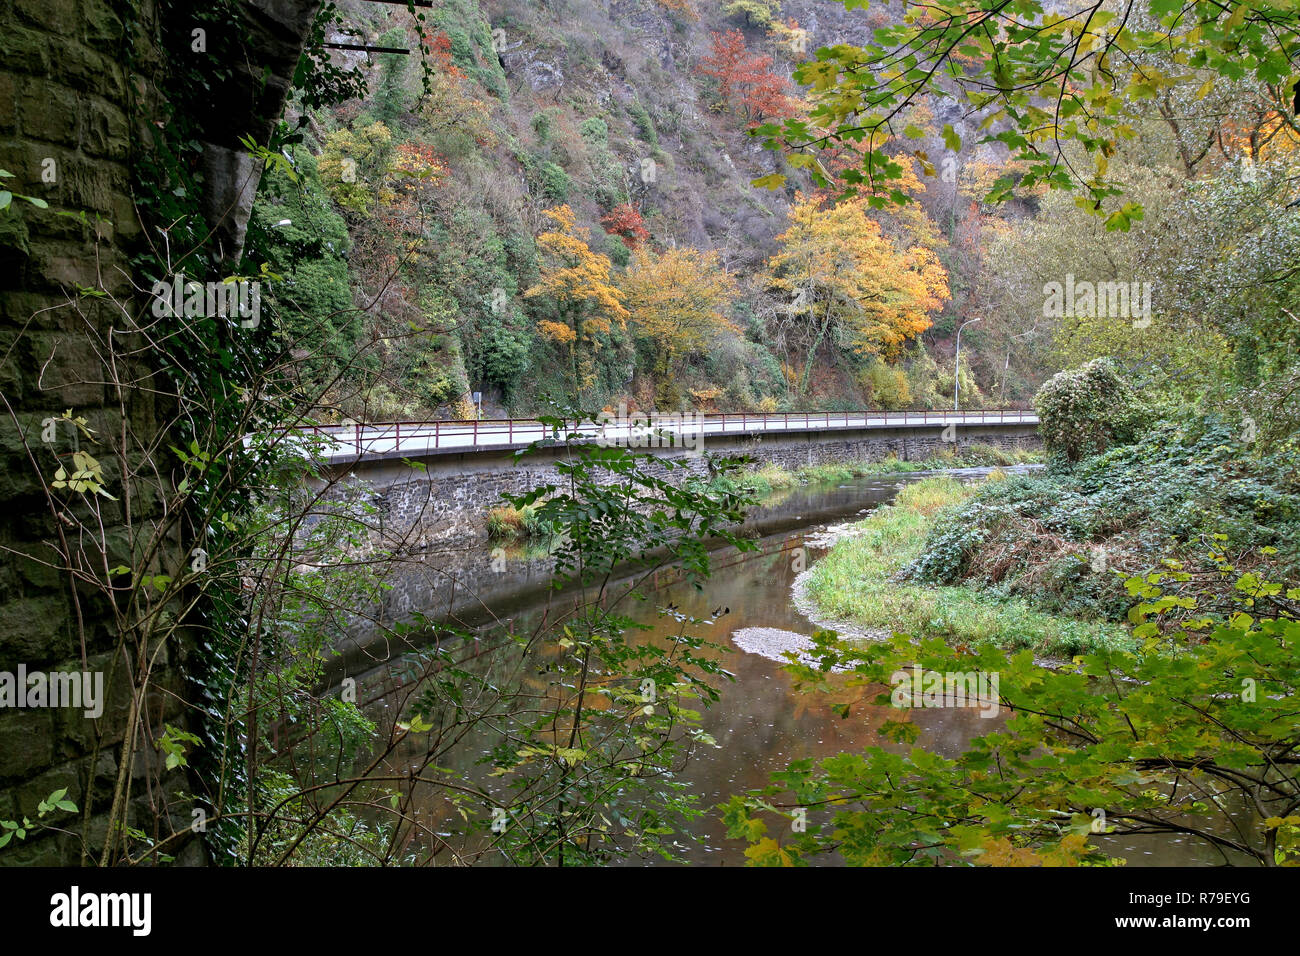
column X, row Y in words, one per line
column 354, row 167
column 684, row 7
column 575, row 285
column 459, row 122
column 789, row 39
column 414, row 173
column 746, row 83
column 846, row 284
column 625, row 221
column 678, row 300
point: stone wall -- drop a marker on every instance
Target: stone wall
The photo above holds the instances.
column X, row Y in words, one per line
column 83, row 90
column 65, row 137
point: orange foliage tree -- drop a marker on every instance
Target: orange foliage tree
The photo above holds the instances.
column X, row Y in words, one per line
column 625, row 221
column 678, row 300
column 575, row 283
column 845, row 282
column 745, row 80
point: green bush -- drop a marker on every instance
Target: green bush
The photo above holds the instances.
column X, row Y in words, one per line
column 645, row 126
column 886, row 385
column 503, row 356
column 1086, row 410
column 594, row 131
column 555, row 183
column 619, row 254
column 857, row 581
column 542, row 127
column 506, row 523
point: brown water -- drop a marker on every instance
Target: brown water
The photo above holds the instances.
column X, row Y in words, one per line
column 760, row 723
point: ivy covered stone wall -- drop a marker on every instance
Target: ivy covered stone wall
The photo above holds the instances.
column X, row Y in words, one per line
column 83, row 94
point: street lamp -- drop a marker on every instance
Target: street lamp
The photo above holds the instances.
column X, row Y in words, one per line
column 956, row 372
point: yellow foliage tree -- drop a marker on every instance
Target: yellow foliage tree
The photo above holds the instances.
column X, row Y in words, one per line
column 678, row 299
column 847, row 284
column 354, row 166
column 576, row 282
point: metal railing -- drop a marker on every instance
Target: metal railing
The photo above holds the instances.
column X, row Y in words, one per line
column 395, row 439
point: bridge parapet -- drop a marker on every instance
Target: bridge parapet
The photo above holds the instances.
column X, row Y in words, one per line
column 378, row 441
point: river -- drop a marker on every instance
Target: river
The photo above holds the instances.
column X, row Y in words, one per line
column 761, row 724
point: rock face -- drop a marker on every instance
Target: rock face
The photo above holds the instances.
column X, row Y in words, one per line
column 81, row 86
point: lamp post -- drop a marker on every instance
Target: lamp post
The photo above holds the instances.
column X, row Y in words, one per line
column 956, row 372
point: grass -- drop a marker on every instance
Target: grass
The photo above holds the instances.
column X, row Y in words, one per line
column 772, row 478
column 508, row 523
column 855, row 582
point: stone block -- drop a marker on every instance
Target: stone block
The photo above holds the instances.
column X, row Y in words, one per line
column 26, row 742
column 48, row 111
column 30, row 793
column 25, row 51
column 101, row 24
column 35, row 564
column 8, row 104
column 71, row 370
column 105, row 129
column 35, row 631
column 85, row 68
column 39, row 849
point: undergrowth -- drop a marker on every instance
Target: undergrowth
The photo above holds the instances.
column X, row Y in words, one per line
column 1064, row 539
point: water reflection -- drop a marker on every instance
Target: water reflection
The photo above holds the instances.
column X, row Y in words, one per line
column 761, row 724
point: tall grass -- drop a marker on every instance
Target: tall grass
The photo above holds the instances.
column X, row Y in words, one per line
column 508, row 523
column 855, row 582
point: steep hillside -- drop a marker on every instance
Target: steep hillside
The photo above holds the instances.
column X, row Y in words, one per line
column 414, row 274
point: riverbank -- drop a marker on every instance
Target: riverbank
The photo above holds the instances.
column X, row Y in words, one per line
column 855, row 588
column 774, row 478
